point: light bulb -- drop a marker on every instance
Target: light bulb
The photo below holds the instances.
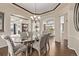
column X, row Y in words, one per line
column 34, row 16
column 39, row 17
column 31, row 17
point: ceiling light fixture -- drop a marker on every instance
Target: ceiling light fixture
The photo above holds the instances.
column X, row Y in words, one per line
column 35, row 25
column 35, row 17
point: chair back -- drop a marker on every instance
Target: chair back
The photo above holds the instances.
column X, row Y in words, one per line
column 23, row 35
column 47, row 39
column 10, row 45
column 44, row 41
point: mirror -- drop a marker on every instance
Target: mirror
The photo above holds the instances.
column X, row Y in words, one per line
column 76, row 16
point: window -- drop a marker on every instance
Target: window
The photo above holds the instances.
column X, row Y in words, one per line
column 62, row 24
column 50, row 26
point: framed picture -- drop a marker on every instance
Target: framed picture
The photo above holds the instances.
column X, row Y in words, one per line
column 24, row 27
column 1, row 21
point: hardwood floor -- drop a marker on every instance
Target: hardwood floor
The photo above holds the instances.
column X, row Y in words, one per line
column 4, row 51
column 56, row 49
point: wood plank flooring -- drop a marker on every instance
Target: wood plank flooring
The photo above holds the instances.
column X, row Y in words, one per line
column 56, row 49
column 4, row 51
column 60, row 50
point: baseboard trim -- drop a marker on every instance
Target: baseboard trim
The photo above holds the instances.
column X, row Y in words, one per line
column 73, row 49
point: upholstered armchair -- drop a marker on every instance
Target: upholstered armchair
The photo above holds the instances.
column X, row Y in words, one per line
column 13, row 50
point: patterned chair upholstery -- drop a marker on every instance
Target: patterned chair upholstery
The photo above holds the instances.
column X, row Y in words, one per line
column 14, row 50
column 43, row 44
column 24, row 36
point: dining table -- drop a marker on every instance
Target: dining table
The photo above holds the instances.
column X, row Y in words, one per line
column 27, row 43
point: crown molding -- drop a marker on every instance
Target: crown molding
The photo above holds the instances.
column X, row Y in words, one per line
column 36, row 13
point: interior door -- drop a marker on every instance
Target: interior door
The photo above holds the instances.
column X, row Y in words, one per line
column 63, row 28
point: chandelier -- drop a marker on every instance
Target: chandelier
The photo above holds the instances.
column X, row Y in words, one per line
column 35, row 21
column 35, row 17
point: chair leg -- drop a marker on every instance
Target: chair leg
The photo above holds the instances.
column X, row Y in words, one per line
column 26, row 53
column 39, row 53
column 35, row 52
column 8, row 54
column 30, row 50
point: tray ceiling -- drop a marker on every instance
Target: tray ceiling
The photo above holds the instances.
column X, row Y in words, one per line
column 38, row 8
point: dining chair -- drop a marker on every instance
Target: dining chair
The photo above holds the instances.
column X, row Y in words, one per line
column 13, row 50
column 44, row 44
column 27, row 36
column 24, row 36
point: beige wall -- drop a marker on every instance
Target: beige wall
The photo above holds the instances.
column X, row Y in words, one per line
column 62, row 10
column 8, row 10
column 70, row 33
column 73, row 34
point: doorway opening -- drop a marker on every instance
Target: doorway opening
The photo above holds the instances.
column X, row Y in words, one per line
column 62, row 19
